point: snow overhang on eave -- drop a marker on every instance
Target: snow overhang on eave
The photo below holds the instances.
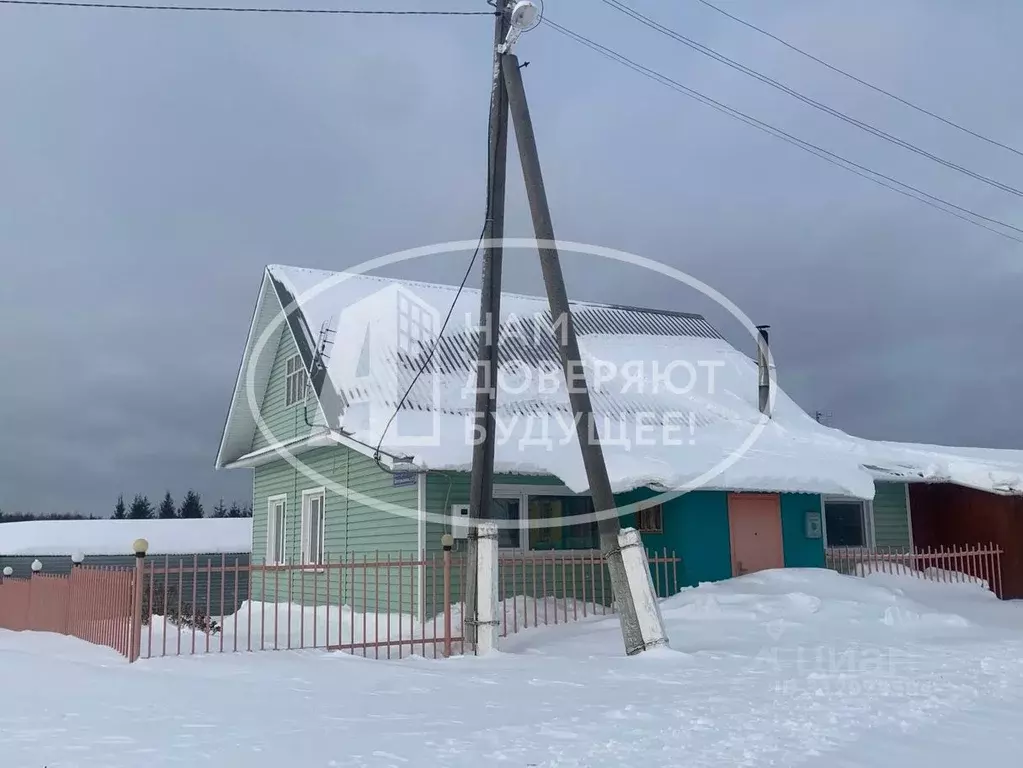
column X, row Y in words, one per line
column 282, row 450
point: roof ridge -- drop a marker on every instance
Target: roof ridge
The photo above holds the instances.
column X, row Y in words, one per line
column 510, row 294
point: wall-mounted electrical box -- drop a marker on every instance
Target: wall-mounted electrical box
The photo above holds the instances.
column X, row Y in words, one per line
column 459, row 521
column 813, row 524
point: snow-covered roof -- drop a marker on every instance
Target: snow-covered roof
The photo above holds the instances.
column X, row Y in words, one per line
column 707, row 428
column 115, row 537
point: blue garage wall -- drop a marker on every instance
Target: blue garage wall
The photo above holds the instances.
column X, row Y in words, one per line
column 800, row 551
column 696, row 528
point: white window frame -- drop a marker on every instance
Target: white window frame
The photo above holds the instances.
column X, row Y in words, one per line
column 307, row 497
column 866, row 510
column 273, row 536
column 522, row 493
column 296, row 381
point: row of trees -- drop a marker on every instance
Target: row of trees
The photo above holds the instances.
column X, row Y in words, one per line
column 191, row 507
column 22, row 517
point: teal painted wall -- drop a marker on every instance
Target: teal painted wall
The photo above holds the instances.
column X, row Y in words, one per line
column 696, row 529
column 800, row 551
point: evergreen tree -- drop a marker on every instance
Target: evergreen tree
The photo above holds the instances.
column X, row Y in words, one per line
column 191, row 507
column 167, row 509
column 220, row 510
column 235, row 510
column 140, row 508
column 247, row 510
column 119, row 511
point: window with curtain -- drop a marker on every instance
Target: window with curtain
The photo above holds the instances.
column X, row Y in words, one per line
column 565, row 534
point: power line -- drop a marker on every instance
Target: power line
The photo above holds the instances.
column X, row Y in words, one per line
column 881, row 179
column 861, row 81
column 872, row 129
column 230, row 9
column 491, row 163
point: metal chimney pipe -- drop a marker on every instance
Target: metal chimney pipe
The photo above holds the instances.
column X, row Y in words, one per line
column 764, row 370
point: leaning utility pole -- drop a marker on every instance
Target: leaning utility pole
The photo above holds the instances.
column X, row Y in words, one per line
column 578, row 393
column 481, row 489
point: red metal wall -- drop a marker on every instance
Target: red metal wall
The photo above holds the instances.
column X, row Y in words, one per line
column 950, row 515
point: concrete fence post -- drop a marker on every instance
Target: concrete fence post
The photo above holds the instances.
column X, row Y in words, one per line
column 487, row 596
column 641, row 585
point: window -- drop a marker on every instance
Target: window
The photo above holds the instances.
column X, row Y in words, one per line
column 650, row 520
column 508, row 536
column 564, row 534
column 276, row 530
column 510, row 504
column 312, row 527
column 845, row 523
column 295, row 381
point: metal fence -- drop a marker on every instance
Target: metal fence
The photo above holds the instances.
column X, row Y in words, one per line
column 979, row 564
column 91, row 603
column 356, row 605
column 539, row 589
column 380, row 606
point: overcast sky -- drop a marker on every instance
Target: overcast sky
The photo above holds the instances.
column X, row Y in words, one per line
column 152, row 163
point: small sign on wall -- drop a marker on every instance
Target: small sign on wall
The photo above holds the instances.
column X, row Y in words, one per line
column 403, row 478
column 813, row 524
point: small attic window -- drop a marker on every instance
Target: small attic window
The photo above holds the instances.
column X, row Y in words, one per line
column 295, row 381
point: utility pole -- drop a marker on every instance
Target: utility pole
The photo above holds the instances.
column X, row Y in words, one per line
column 481, row 489
column 578, row 393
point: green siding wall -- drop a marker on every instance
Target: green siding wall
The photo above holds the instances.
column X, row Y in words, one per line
column 283, row 422
column 891, row 517
column 800, row 551
column 352, row 531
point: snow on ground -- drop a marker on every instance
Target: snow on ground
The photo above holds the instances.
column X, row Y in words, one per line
column 115, row 537
column 793, row 667
column 293, row 626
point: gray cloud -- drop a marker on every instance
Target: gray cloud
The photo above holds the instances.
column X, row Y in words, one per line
column 154, row 163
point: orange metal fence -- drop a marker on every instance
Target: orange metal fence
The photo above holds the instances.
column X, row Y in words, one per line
column 367, row 605
column 980, row 563
column 384, row 606
column 92, row 604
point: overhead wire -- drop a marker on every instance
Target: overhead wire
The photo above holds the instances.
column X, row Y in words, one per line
column 865, row 172
column 242, row 9
column 809, row 101
column 487, row 220
column 861, row 81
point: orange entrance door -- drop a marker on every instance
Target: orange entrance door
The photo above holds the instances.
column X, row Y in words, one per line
column 754, row 525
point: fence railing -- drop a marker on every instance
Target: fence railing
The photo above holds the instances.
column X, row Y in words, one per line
column 91, row 603
column 379, row 605
column 979, row 564
column 544, row 588
column 364, row 605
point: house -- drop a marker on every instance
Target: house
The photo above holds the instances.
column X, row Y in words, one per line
column 359, row 430
column 108, row 543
